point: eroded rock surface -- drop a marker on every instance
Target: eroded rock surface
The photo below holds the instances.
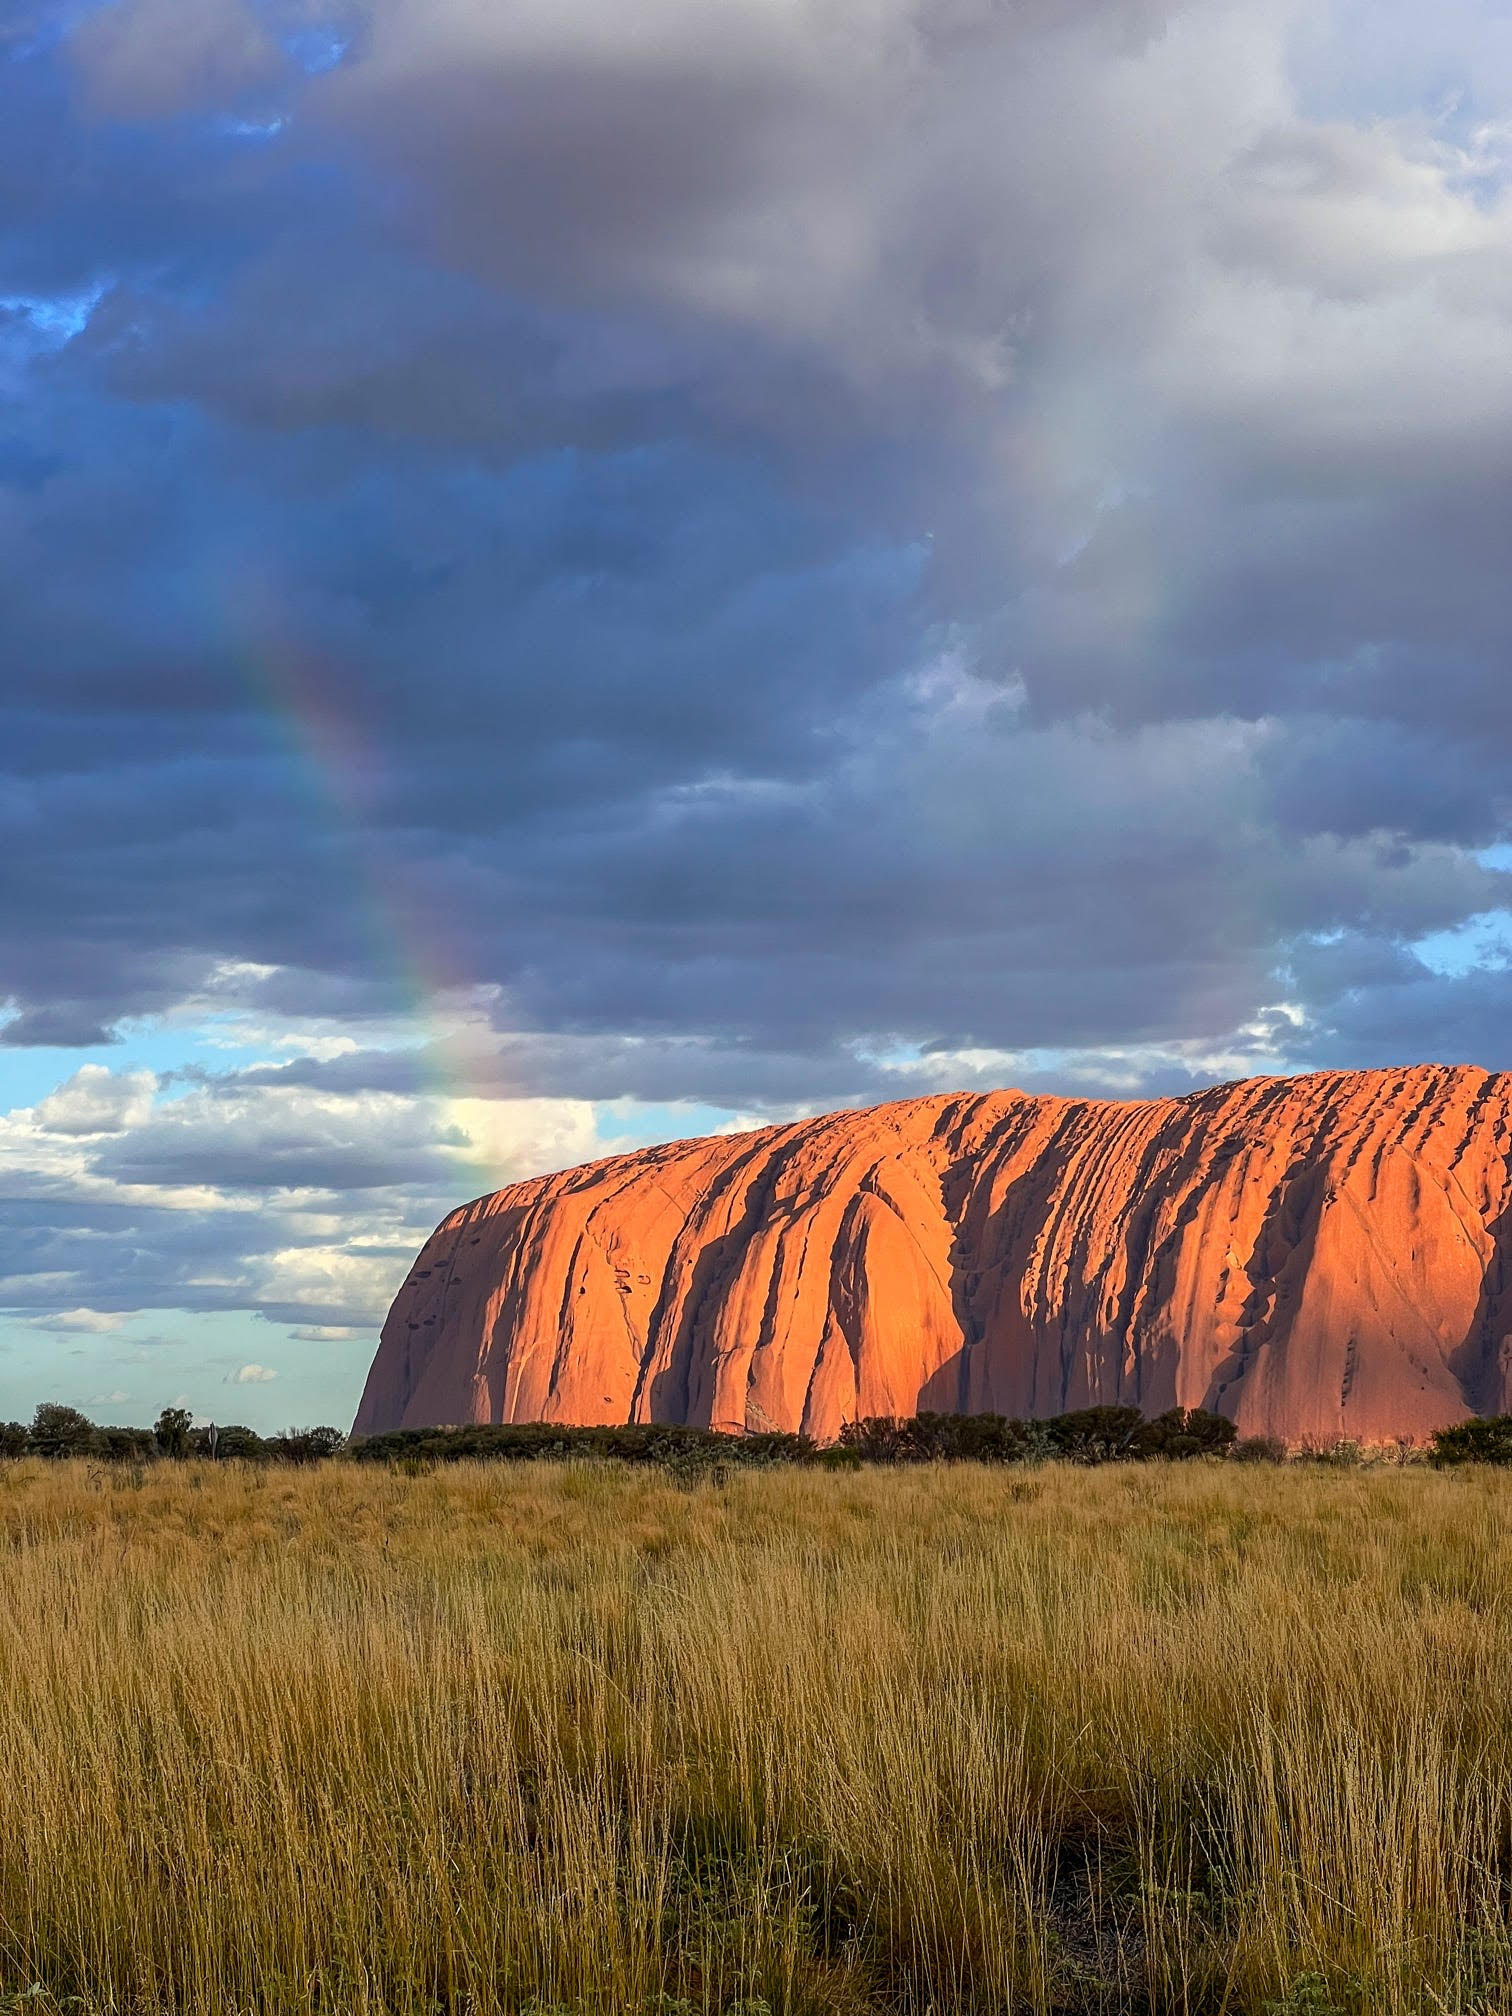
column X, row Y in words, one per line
column 1315, row 1257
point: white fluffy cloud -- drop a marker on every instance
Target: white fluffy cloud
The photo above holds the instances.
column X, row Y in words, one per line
column 97, row 1100
column 80, row 1322
column 300, row 1202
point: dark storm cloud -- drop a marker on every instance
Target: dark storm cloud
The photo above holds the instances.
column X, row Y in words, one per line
column 64, row 1025
column 1403, row 1010
column 658, row 1070
column 275, row 1160
column 762, row 533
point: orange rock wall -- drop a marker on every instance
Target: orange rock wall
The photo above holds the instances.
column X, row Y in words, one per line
column 1314, row 1257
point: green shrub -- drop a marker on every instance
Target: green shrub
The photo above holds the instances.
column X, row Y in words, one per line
column 1095, row 1434
column 1259, row 1449
column 233, row 1443
column 1184, row 1432
column 1482, row 1441
column 1340, row 1454
column 125, row 1445
column 305, row 1445
column 1307, row 1996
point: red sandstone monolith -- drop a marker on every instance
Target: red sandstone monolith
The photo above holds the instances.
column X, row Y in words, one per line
column 1315, row 1257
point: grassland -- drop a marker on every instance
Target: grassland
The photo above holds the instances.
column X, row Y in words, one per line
column 1193, row 1737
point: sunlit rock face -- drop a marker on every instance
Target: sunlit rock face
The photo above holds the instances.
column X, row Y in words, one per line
column 1315, row 1257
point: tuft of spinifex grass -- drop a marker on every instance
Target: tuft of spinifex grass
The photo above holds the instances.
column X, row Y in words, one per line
column 575, row 1739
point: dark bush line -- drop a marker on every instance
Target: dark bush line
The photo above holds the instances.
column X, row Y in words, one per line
column 1090, row 1435
column 1094, row 1435
column 57, row 1432
column 662, row 1445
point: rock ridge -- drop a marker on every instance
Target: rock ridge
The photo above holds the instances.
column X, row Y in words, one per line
column 1315, row 1257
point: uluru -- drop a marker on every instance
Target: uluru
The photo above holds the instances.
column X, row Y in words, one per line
column 1315, row 1257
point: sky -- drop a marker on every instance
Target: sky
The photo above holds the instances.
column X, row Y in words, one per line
column 582, row 571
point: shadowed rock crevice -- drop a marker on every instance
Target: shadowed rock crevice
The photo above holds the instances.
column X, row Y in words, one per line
column 1316, row 1257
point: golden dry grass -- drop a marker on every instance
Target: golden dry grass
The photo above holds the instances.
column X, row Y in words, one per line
column 572, row 1737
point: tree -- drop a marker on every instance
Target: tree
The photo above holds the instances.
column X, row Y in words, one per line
column 125, row 1445
column 171, row 1430
column 1475, row 1441
column 305, row 1445
column 1183, row 1432
column 237, row 1442
column 59, row 1431
column 227, row 1443
column 1095, row 1434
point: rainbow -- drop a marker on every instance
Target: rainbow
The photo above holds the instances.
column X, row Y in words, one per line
column 339, row 773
